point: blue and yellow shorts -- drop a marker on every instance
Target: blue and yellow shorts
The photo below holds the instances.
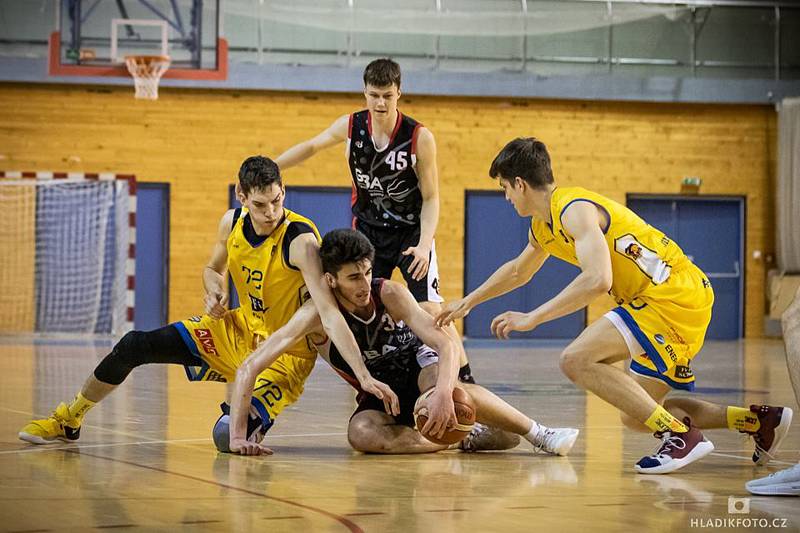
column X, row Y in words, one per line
column 665, row 326
column 221, row 345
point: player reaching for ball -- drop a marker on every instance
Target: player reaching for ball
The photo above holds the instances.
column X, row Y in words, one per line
column 271, row 254
column 401, row 346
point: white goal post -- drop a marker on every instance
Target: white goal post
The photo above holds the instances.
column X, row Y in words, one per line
column 69, row 245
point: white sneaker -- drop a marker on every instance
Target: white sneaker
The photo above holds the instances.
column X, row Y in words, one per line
column 555, row 441
column 783, row 483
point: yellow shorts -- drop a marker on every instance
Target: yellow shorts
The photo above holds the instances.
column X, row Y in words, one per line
column 665, row 327
column 222, row 345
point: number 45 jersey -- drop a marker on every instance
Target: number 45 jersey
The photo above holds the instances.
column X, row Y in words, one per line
column 385, row 185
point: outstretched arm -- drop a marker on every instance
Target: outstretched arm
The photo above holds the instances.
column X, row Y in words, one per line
column 402, row 306
column 216, row 297
column 508, row 277
column 304, row 254
column 336, row 133
column 582, row 221
column 302, row 323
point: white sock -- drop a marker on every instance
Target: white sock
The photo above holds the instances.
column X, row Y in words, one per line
column 532, row 436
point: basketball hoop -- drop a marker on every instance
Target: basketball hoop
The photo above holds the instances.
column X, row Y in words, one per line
column 146, row 71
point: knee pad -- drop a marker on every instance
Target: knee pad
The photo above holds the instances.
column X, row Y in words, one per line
column 221, row 434
column 128, row 353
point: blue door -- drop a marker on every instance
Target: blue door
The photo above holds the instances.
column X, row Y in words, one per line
column 327, row 207
column 494, row 235
column 152, row 255
column 710, row 230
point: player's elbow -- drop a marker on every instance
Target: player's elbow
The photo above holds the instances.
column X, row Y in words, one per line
column 599, row 282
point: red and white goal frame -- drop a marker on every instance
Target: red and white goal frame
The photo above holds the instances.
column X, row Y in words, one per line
column 130, row 264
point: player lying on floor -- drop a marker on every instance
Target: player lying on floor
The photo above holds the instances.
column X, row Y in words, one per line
column 401, row 346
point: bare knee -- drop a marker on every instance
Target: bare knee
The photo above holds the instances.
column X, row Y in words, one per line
column 363, row 436
column 573, row 364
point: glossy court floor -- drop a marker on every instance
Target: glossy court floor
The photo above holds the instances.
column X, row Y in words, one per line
column 145, row 460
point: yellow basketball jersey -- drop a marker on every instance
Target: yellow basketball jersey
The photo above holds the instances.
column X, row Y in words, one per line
column 642, row 257
column 270, row 289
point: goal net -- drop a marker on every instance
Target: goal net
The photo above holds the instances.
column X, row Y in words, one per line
column 68, row 242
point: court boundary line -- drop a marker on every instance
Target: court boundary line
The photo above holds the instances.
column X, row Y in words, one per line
column 349, row 524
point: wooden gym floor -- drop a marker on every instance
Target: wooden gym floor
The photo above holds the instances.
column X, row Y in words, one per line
column 145, row 461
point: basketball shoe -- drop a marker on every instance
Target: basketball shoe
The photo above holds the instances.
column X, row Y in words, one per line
column 485, row 438
column 676, row 451
column 555, row 441
column 783, row 483
column 774, row 425
column 60, row 425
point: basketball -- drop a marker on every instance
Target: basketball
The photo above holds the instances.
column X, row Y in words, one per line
column 465, row 412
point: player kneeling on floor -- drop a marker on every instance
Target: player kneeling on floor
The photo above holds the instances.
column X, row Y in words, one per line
column 401, row 346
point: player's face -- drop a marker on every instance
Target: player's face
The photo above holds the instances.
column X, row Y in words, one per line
column 382, row 101
column 352, row 283
column 513, row 190
column 265, row 207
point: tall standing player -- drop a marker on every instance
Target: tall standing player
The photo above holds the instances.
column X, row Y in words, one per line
column 272, row 255
column 664, row 307
column 392, row 160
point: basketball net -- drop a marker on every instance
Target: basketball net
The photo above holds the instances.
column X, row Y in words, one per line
column 146, row 71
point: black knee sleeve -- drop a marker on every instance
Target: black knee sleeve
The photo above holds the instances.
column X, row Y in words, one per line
column 163, row 345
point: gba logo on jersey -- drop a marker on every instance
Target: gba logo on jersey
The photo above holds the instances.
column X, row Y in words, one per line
column 659, row 338
column 206, row 341
column 370, row 183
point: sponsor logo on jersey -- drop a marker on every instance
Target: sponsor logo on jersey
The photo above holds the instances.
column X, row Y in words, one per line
column 659, row 338
column 206, row 341
column 671, row 352
column 683, row 372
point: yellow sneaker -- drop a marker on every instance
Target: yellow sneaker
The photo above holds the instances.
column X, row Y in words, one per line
column 61, row 425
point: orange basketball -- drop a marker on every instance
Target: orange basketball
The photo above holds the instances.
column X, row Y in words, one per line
column 465, row 412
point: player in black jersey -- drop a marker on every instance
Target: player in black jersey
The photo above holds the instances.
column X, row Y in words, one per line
column 400, row 345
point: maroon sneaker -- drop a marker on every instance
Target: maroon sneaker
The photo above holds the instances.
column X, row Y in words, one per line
column 775, row 422
column 676, row 451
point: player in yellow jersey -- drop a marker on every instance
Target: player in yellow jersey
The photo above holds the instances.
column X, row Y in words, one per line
column 664, row 307
column 272, row 255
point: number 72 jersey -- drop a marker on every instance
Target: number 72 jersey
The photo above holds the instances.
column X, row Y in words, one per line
column 269, row 287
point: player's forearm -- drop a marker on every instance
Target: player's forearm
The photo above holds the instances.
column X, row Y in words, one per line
column 240, row 401
column 505, row 279
column 429, row 219
column 577, row 295
column 295, row 155
column 448, row 365
column 213, row 281
column 341, row 336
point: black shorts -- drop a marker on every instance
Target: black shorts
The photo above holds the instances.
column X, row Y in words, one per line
column 390, row 243
column 407, row 389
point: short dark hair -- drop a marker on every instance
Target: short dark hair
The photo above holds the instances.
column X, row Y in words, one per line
column 525, row 157
column 258, row 173
column 382, row 73
column 341, row 246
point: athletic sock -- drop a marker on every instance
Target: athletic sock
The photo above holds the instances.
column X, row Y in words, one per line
column 79, row 406
column 742, row 419
column 533, row 435
column 662, row 420
column 465, row 374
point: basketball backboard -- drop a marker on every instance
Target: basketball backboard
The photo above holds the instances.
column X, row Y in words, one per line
column 94, row 36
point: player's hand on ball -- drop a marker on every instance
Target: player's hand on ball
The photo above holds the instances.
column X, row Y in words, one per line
column 419, row 266
column 246, row 447
column 441, row 413
column 452, row 311
column 384, row 392
column 503, row 324
column 216, row 302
